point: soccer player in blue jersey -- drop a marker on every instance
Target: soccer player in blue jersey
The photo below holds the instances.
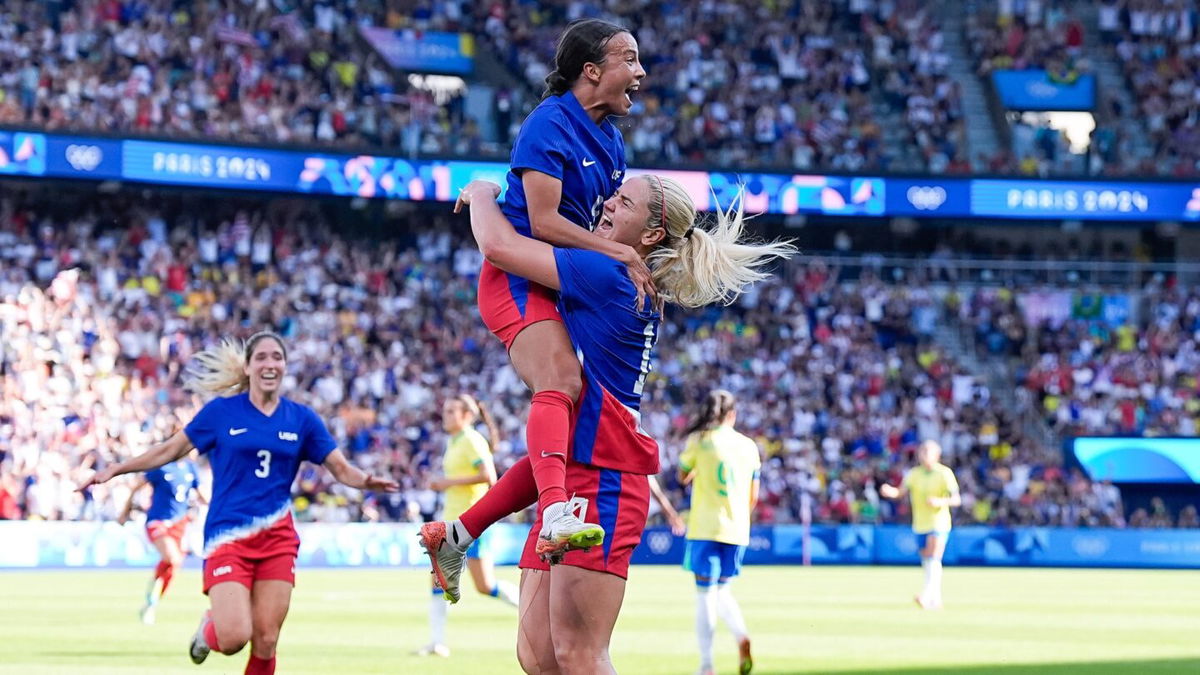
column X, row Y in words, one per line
column 611, row 458
column 171, row 488
column 567, row 159
column 255, row 439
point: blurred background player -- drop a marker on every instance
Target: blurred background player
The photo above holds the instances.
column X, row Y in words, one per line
column 722, row 467
column 171, row 489
column 933, row 490
column 255, row 439
column 468, row 472
column 567, row 159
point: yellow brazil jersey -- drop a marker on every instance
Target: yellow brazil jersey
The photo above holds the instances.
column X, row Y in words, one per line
column 924, row 483
column 724, row 463
column 466, row 451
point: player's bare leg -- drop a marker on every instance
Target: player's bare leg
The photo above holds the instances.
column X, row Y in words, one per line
column 226, row 627
column 584, row 605
column 270, row 601
column 544, row 358
column 535, row 646
column 171, row 560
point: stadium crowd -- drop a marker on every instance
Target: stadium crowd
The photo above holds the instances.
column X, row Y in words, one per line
column 732, row 83
column 839, row 374
column 1129, row 374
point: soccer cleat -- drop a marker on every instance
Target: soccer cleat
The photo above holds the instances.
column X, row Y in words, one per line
column 447, row 561
column 745, row 662
column 563, row 531
column 199, row 649
column 147, row 615
column 433, row 649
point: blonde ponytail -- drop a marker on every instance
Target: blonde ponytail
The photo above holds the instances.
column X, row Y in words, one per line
column 221, row 370
column 218, row 370
column 695, row 266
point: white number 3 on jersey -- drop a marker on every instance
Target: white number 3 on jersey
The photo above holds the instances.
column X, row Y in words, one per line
column 264, row 468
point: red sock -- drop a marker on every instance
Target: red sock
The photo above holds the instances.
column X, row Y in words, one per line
column 257, row 666
column 210, row 636
column 546, row 435
column 165, row 571
column 514, row 491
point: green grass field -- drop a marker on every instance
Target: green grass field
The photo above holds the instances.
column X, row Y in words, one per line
column 839, row 619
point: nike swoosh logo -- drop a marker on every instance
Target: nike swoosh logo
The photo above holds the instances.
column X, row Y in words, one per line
column 237, row 432
column 589, row 162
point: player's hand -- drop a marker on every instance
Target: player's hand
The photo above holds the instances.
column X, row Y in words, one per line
column 935, row 502
column 476, row 189
column 639, row 274
column 888, row 491
column 678, row 528
column 438, row 484
column 99, row 477
column 380, row 484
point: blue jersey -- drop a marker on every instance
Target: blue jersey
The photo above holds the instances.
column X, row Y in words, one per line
column 614, row 342
column 171, row 484
column 254, row 461
column 560, row 140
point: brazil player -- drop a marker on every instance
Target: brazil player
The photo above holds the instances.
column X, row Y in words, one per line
column 171, row 489
column 255, row 439
column 933, row 490
column 468, row 472
column 611, row 457
column 722, row 467
column 566, row 160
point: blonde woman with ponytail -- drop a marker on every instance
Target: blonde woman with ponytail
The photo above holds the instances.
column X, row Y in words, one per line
column 611, row 459
column 255, row 439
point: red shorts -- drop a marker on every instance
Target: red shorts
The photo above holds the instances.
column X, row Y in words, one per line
column 509, row 303
column 157, row 529
column 617, row 501
column 268, row 555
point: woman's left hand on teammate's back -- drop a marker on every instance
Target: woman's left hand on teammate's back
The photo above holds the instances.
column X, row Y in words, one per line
column 639, row 274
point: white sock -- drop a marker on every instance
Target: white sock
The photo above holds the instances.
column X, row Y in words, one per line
column 437, row 617
column 731, row 613
column 928, row 568
column 934, row 582
column 706, row 622
column 507, row 593
column 457, row 535
column 153, row 591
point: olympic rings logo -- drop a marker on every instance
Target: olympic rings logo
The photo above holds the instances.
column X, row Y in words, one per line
column 84, row 157
column 925, row 198
column 660, row 542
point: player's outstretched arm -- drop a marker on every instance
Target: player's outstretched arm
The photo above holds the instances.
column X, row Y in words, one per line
column 891, row 491
column 168, row 451
column 499, row 242
column 349, row 475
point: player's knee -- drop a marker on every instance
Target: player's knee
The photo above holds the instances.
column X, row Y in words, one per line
column 561, row 374
column 233, row 638
column 575, row 655
column 175, row 561
column 264, row 644
column 535, row 659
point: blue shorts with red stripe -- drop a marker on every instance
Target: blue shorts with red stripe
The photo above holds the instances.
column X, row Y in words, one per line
column 617, row 501
column 508, row 303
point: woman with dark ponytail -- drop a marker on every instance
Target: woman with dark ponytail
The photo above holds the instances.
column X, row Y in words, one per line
column 722, row 467
column 567, row 159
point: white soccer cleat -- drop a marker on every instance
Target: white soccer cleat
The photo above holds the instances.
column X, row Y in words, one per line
column 446, row 559
column 147, row 615
column 563, row 531
column 434, row 649
column 199, row 649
